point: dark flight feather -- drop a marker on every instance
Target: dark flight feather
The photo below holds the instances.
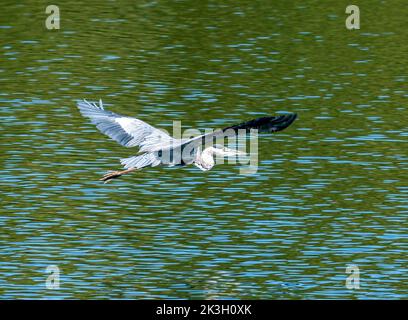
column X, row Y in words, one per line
column 265, row 124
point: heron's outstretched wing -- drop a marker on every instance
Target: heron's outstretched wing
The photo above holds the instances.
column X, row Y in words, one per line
column 264, row 124
column 127, row 131
column 141, row 161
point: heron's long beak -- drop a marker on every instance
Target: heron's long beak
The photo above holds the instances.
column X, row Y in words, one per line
column 231, row 152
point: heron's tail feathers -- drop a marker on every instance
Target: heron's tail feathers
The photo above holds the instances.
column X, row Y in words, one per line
column 138, row 162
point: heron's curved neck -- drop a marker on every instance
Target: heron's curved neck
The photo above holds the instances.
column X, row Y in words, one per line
column 211, row 151
column 205, row 160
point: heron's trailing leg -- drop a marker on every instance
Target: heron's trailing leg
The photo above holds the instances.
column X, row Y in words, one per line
column 115, row 174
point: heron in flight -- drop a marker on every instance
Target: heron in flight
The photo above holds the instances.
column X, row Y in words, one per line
column 158, row 148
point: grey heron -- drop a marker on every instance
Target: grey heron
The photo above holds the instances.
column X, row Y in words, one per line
column 159, row 148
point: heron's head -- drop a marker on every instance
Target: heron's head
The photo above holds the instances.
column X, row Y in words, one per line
column 222, row 151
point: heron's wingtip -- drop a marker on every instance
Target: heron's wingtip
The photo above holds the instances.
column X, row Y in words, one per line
column 292, row 117
column 283, row 121
column 86, row 104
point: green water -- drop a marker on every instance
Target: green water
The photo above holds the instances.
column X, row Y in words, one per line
column 330, row 191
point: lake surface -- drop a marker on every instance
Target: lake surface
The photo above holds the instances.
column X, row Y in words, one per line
column 330, row 191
